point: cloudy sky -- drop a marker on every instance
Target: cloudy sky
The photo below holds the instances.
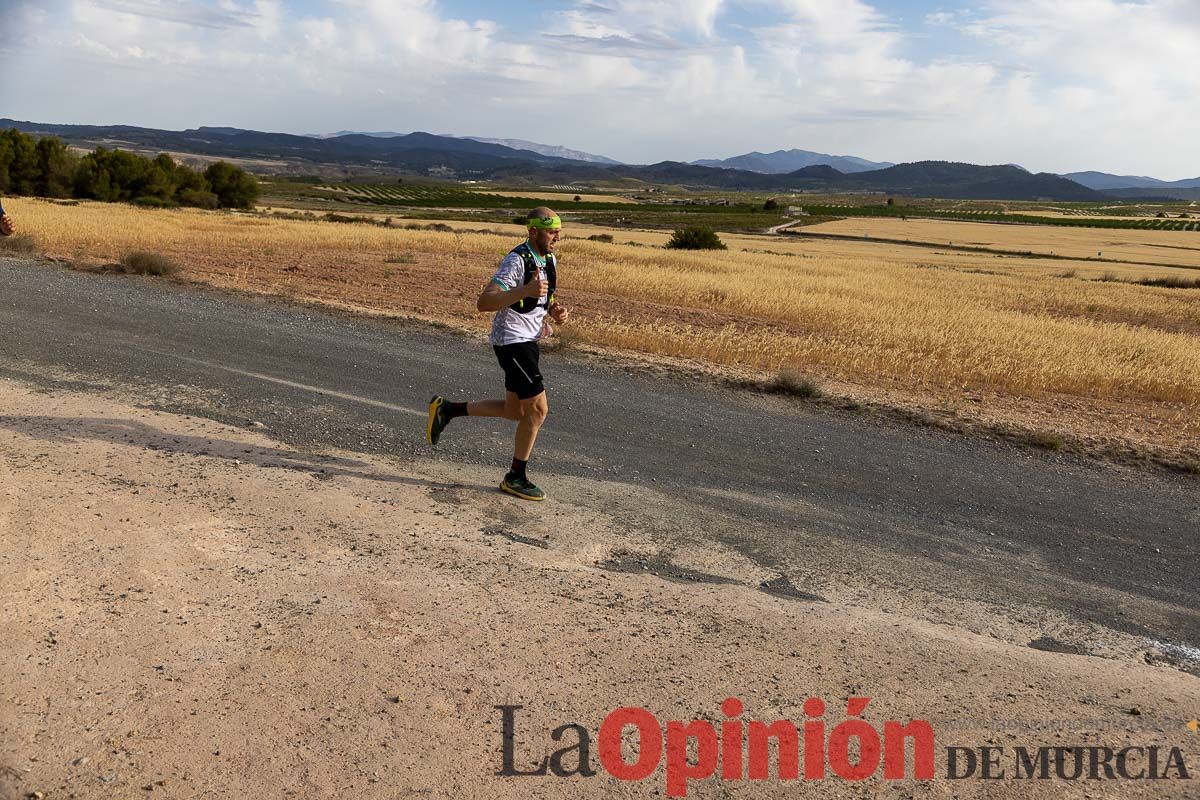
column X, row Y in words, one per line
column 1053, row 85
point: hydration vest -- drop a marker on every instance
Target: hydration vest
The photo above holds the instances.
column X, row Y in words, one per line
column 528, row 304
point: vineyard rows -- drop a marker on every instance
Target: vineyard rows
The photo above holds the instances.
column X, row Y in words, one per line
column 433, row 196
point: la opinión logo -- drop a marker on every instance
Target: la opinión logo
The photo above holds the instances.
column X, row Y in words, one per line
column 740, row 749
column 632, row 744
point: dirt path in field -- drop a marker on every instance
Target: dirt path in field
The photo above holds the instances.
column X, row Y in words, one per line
column 193, row 610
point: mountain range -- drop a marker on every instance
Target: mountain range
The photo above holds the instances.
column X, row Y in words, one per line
column 783, row 161
column 1103, row 181
column 520, row 161
column 553, row 150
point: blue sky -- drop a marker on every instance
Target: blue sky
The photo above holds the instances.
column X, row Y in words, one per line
column 1054, row 85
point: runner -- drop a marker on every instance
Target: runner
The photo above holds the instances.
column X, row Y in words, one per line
column 521, row 293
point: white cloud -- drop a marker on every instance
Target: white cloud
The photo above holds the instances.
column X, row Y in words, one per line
column 655, row 16
column 1052, row 84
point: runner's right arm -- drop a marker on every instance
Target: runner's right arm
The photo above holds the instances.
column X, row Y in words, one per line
column 507, row 286
column 494, row 297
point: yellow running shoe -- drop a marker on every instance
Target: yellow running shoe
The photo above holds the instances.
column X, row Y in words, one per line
column 437, row 419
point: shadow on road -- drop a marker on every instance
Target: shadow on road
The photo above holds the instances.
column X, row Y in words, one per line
column 141, row 435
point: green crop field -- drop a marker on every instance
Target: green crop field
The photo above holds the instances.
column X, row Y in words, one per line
column 435, row 196
column 423, row 199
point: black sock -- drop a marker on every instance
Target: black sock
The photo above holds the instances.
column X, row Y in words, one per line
column 518, row 467
column 455, row 410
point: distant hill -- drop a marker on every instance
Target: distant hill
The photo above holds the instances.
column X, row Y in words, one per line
column 920, row 179
column 549, row 150
column 783, row 161
column 419, row 151
column 553, row 150
column 448, row 156
column 970, row 181
column 1104, row 181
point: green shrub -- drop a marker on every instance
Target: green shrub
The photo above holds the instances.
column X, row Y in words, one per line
column 198, row 198
column 695, row 237
column 600, row 237
column 154, row 202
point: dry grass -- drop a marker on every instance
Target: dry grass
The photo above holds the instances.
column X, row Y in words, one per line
column 142, row 262
column 883, row 317
column 18, row 244
column 792, row 383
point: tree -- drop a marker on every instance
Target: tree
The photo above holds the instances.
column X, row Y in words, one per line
column 891, row 201
column 56, row 166
column 21, row 162
column 92, row 179
column 578, row 198
column 695, row 237
column 770, row 205
column 234, row 187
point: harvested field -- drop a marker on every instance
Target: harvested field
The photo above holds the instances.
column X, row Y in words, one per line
column 1107, row 359
column 1180, row 248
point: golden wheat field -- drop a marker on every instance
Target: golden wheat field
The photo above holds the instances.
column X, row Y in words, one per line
column 935, row 327
column 1175, row 248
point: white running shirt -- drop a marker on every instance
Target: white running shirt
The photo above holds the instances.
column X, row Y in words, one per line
column 508, row 326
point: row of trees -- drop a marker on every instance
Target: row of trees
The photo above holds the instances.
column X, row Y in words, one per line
column 46, row 168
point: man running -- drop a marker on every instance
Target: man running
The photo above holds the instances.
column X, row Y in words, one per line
column 521, row 293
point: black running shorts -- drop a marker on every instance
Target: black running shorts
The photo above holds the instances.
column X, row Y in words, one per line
column 520, row 364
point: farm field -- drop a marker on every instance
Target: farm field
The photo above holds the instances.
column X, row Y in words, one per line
column 567, row 197
column 732, row 211
column 917, row 255
column 1177, row 248
column 1001, row 340
column 1101, row 214
column 451, row 196
column 1135, row 218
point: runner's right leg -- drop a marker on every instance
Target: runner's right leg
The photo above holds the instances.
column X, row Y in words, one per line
column 509, row 407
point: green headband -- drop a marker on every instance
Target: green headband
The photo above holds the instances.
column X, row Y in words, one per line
column 546, row 223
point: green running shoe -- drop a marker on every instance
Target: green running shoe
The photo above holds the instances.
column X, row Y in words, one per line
column 437, row 419
column 521, row 487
